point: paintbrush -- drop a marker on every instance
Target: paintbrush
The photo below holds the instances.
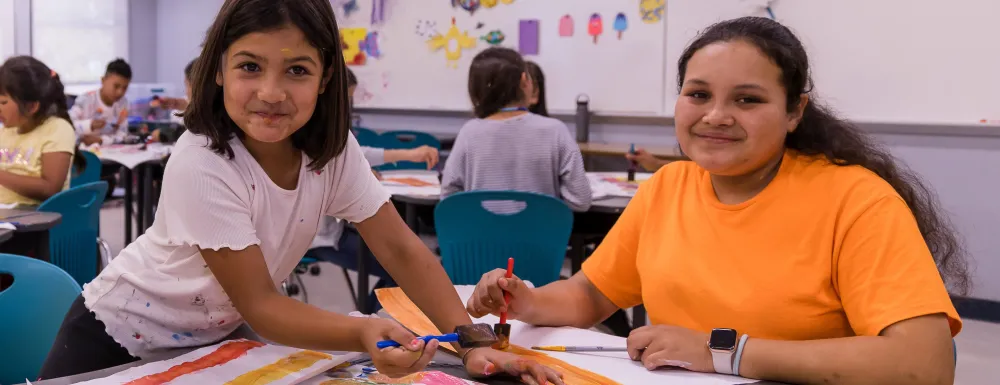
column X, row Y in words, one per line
column 502, row 329
column 467, row 336
column 580, row 348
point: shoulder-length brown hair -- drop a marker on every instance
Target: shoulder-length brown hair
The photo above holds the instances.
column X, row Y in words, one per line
column 324, row 136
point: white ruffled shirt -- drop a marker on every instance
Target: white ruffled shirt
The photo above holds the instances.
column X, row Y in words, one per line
column 158, row 292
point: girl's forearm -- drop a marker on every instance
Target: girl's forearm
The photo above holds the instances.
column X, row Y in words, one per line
column 28, row 186
column 851, row 360
column 565, row 303
column 287, row 321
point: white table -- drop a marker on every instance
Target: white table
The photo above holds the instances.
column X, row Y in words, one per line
column 135, row 157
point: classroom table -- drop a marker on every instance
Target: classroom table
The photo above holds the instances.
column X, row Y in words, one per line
column 142, row 159
column 594, row 223
column 5, row 234
column 32, row 235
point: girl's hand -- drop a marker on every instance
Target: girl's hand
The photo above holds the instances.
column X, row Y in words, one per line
column 482, row 362
column 663, row 345
column 488, row 296
column 422, row 154
column 645, row 159
column 395, row 362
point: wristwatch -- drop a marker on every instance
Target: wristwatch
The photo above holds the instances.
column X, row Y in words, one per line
column 722, row 344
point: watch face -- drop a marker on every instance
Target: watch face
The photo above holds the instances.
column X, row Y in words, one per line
column 722, row 339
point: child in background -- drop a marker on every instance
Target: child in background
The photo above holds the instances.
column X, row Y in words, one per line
column 648, row 161
column 267, row 153
column 509, row 148
column 379, row 156
column 101, row 116
column 177, row 107
column 536, row 102
column 37, row 139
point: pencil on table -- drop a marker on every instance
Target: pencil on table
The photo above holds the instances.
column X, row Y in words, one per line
column 579, row 348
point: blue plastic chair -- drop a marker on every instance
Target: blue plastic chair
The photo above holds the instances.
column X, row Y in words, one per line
column 73, row 243
column 367, row 137
column 91, row 172
column 475, row 240
column 33, row 309
column 394, row 140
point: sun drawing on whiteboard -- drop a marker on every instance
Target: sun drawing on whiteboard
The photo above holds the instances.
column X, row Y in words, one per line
column 453, row 42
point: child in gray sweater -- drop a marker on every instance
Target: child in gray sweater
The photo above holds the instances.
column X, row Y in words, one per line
column 509, row 148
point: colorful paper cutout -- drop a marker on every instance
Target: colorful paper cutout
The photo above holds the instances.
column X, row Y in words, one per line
column 651, row 10
column 507, row 1
column 621, row 24
column 378, row 12
column 566, row 26
column 595, row 27
column 370, row 45
column 453, row 42
column 489, row 3
column 468, row 5
column 528, row 37
column 350, row 7
column 495, row 37
column 351, row 39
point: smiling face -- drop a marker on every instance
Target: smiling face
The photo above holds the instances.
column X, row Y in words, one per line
column 731, row 117
column 271, row 81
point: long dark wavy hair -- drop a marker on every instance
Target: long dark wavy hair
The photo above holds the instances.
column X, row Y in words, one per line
column 822, row 133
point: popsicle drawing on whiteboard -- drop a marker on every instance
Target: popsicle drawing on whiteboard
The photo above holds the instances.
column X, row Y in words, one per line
column 566, row 26
column 595, row 27
column 621, row 24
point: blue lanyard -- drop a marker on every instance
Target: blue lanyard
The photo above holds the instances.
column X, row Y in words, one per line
column 511, row 109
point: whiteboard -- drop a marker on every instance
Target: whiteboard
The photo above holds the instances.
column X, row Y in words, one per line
column 620, row 77
column 877, row 61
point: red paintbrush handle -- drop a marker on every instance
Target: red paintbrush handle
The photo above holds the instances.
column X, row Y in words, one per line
column 506, row 294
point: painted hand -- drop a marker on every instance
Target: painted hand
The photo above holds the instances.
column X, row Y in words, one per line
column 423, row 154
column 488, row 296
column 484, row 362
column 663, row 345
column 396, row 362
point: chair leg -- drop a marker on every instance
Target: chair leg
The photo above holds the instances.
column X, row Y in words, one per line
column 105, row 253
column 350, row 285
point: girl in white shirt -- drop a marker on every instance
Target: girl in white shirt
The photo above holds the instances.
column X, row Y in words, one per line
column 268, row 153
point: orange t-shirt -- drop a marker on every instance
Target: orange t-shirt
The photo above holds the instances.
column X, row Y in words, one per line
column 824, row 251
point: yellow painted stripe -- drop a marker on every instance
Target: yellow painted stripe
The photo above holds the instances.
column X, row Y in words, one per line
column 280, row 368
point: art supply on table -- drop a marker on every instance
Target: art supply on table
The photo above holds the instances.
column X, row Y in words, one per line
column 633, row 165
column 502, row 329
column 595, row 27
column 580, row 348
column 467, row 336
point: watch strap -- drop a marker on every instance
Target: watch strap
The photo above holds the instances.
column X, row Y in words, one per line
column 723, row 361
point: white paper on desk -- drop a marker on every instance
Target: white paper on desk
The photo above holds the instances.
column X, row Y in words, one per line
column 7, row 206
column 253, row 359
column 614, row 365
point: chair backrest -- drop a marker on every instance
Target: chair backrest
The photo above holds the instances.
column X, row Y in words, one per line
column 477, row 231
column 394, row 140
column 367, row 137
column 32, row 309
column 73, row 242
column 91, row 172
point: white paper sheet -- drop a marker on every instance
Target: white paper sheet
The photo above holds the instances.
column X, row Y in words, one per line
column 253, row 359
column 7, row 206
column 614, row 365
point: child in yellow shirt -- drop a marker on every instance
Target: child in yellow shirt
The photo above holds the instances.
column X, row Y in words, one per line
column 37, row 139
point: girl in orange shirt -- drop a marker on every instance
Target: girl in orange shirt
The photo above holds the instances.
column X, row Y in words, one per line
column 791, row 247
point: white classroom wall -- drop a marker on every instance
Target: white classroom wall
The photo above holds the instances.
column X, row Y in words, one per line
column 963, row 169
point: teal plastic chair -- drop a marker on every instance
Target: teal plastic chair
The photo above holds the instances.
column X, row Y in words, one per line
column 73, row 242
column 367, row 137
column 32, row 309
column 476, row 238
column 394, row 140
column 91, row 172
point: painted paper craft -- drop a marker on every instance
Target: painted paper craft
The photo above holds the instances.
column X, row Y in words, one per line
column 621, row 24
column 528, row 37
column 468, row 5
column 409, row 181
column 350, row 6
column 507, row 1
column 489, row 3
column 453, row 42
column 378, row 12
column 566, row 26
column 351, row 39
column 421, row 378
column 237, row 362
column 370, row 45
column 595, row 27
column 495, row 37
column 651, row 10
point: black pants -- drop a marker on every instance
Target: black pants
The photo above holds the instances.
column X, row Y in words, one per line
column 82, row 346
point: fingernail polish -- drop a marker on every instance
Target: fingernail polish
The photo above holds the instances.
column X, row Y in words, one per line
column 489, row 369
column 415, row 342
